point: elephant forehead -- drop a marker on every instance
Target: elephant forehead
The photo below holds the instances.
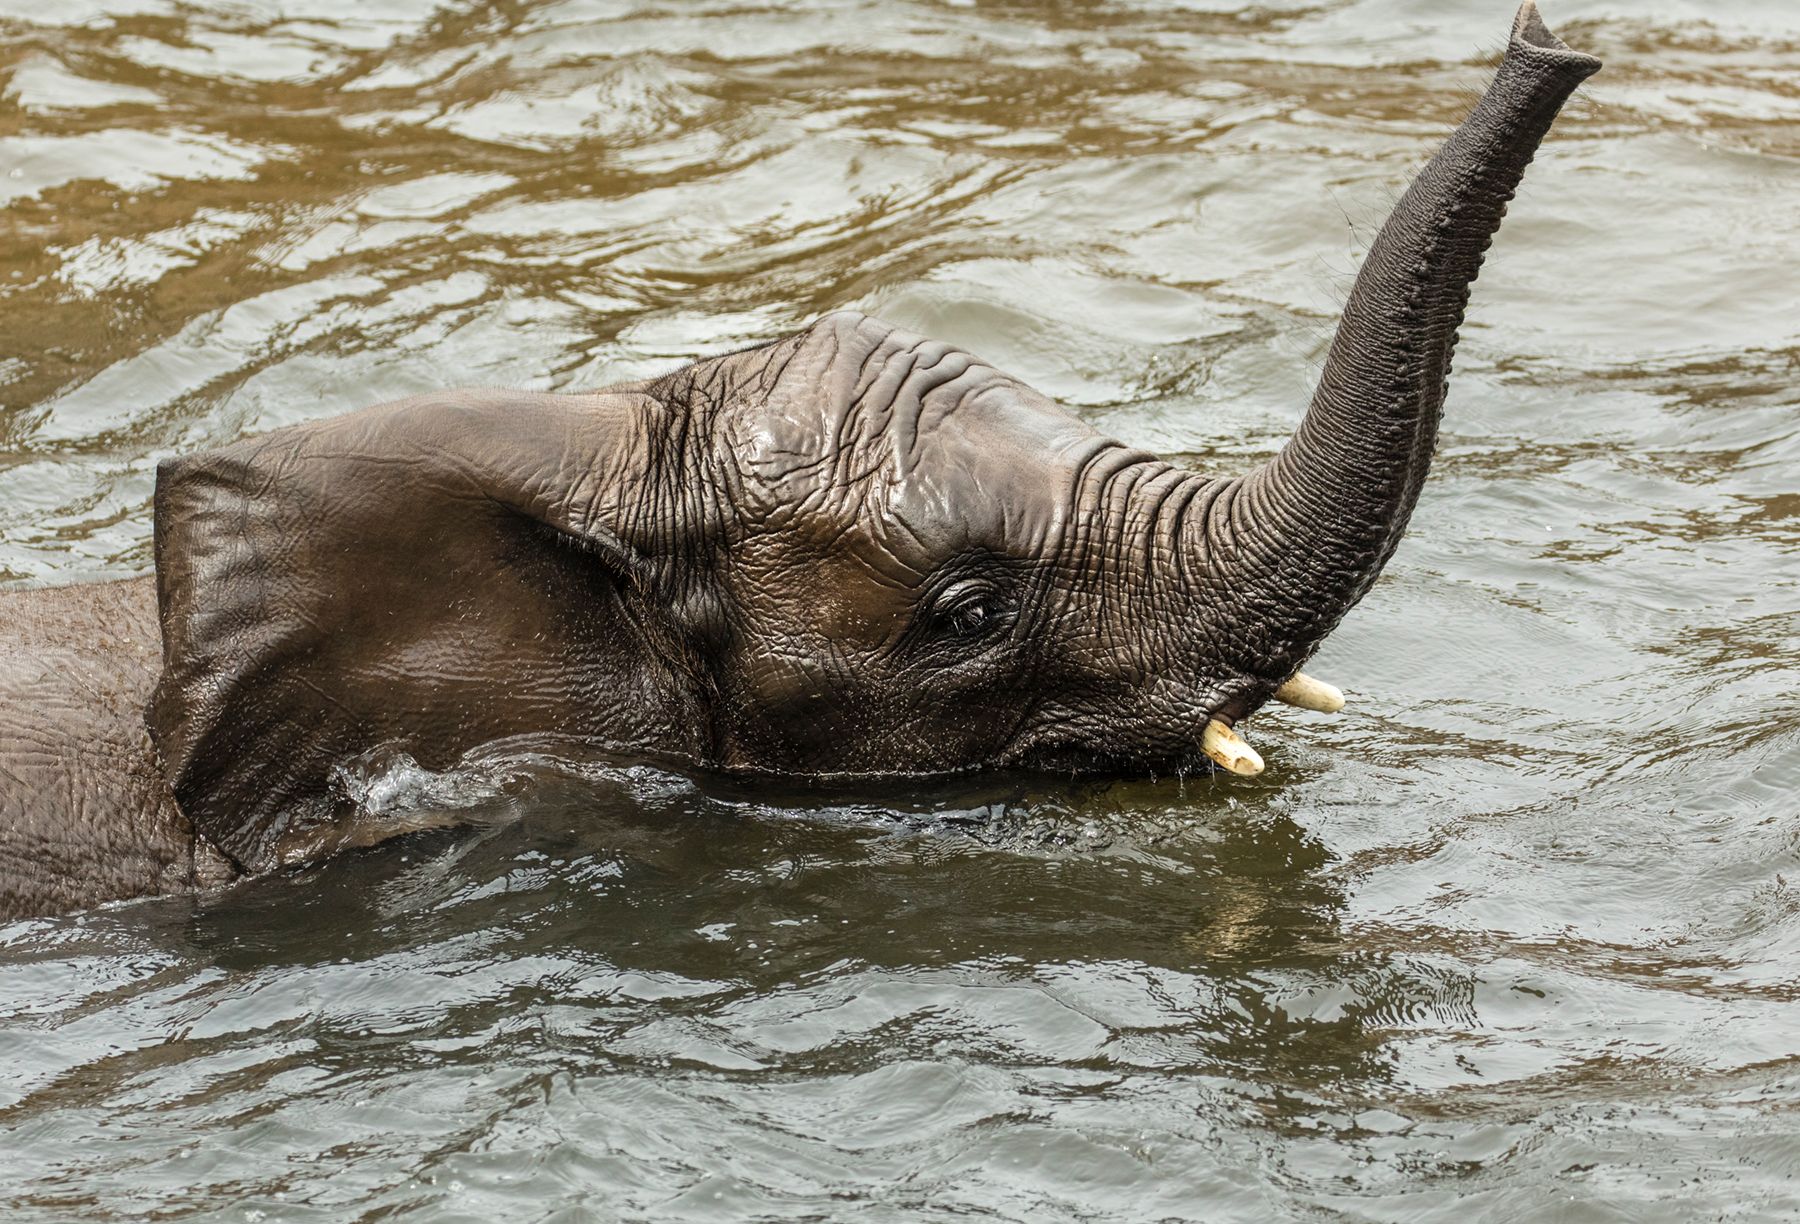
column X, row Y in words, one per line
column 863, row 412
column 981, row 480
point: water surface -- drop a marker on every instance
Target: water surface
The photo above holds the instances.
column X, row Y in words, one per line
column 1515, row 937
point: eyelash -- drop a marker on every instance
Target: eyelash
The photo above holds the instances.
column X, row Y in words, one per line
column 969, row 616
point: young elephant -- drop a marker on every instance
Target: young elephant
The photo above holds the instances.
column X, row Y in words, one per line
column 850, row 551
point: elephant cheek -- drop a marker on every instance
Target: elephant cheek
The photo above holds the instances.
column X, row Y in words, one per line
column 785, row 712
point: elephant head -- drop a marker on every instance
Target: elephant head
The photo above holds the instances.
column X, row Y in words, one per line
column 849, row 551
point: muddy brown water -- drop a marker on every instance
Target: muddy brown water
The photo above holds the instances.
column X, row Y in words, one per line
column 1515, row 937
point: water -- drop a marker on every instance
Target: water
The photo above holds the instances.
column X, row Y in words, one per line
column 1515, row 937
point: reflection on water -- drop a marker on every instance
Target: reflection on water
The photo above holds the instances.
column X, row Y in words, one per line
column 1517, row 934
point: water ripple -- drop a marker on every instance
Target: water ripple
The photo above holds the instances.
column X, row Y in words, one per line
column 1516, row 936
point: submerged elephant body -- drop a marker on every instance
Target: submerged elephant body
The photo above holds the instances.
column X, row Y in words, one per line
column 85, row 813
column 849, row 551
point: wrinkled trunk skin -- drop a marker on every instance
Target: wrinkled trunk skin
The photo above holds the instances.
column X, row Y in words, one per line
column 1294, row 545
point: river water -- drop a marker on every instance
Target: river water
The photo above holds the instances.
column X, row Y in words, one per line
column 1517, row 936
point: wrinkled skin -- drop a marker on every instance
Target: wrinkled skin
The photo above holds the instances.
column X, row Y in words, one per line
column 85, row 815
column 851, row 551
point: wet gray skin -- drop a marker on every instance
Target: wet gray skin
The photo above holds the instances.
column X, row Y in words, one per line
column 850, row 553
column 1509, row 938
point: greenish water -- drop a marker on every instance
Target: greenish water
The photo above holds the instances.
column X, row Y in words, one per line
column 1515, row 937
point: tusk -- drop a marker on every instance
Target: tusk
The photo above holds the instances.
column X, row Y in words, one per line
column 1310, row 694
column 1229, row 751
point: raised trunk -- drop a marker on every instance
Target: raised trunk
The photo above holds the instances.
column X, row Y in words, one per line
column 1295, row 544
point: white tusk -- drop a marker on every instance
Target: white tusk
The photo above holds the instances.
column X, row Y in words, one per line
column 1229, row 751
column 1310, row 694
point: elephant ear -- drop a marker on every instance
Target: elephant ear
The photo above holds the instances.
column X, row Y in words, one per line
column 430, row 575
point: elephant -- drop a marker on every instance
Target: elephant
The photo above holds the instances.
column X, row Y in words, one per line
column 848, row 552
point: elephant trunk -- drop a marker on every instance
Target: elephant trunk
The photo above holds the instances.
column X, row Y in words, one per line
column 1296, row 543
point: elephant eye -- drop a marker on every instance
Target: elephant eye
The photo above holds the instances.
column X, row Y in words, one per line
column 967, row 611
column 970, row 617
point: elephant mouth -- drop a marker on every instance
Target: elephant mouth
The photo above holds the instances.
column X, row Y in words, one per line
column 1218, row 746
column 1076, row 755
column 1221, row 743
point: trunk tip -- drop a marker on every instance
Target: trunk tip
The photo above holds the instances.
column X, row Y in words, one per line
column 1532, row 36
